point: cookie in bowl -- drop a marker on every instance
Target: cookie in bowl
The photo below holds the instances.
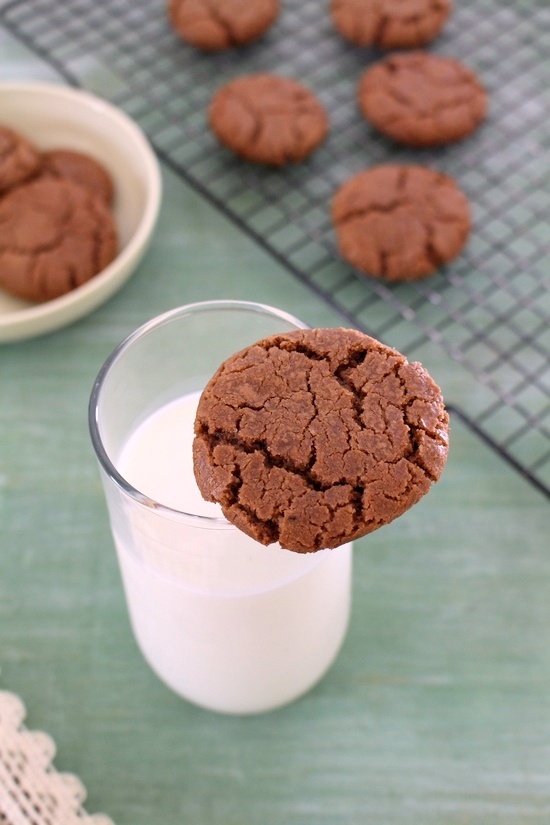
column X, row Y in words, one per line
column 52, row 118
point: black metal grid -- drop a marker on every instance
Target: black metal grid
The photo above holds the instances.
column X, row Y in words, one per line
column 490, row 309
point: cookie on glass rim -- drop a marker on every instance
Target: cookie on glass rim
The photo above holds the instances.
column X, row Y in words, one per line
column 316, row 437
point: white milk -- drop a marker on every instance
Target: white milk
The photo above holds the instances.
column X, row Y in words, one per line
column 225, row 622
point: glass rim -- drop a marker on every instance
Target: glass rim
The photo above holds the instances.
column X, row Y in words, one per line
column 219, row 522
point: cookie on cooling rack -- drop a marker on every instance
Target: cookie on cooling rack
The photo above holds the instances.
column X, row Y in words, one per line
column 214, row 25
column 390, row 24
column 19, row 160
column 400, row 222
column 316, row 437
column 54, row 236
column 422, row 99
column 82, row 169
column 268, row 119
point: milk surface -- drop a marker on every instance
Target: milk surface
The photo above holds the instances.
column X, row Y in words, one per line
column 157, row 458
column 226, row 622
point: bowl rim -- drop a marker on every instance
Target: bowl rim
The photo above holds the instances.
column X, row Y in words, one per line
column 38, row 313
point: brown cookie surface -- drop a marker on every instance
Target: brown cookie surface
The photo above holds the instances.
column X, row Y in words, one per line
column 421, row 99
column 316, row 437
column 54, row 236
column 81, row 169
column 400, row 222
column 215, row 25
column 390, row 24
column 268, row 119
column 19, row 160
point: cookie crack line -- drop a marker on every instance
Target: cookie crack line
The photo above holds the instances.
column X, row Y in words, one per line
column 463, row 78
column 272, row 530
column 254, row 114
column 268, row 526
column 299, row 136
column 72, row 276
column 313, row 455
column 356, row 358
column 414, row 430
column 417, row 461
column 38, row 249
column 429, row 250
column 261, row 120
column 294, row 106
column 365, row 211
column 359, row 214
column 380, row 29
column 223, row 22
column 437, row 106
column 221, row 437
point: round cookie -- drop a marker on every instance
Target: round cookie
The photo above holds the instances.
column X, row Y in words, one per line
column 81, row 169
column 316, row 437
column 390, row 24
column 268, row 119
column 215, row 25
column 19, row 160
column 400, row 222
column 54, row 236
column 420, row 99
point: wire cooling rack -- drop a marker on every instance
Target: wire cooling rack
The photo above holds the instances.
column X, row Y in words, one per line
column 490, row 309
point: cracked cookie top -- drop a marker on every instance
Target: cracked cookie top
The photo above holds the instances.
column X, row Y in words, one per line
column 268, row 119
column 390, row 24
column 54, row 236
column 19, row 160
column 82, row 169
column 314, row 438
column 421, row 99
column 215, row 25
column 400, row 222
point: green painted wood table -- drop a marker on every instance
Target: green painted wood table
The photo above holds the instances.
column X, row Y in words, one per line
column 437, row 710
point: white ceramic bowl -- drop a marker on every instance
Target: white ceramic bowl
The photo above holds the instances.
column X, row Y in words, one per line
column 51, row 117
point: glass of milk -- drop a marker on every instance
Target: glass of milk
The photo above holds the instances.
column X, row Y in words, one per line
column 225, row 622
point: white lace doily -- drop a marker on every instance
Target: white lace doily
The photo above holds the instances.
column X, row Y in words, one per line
column 32, row 792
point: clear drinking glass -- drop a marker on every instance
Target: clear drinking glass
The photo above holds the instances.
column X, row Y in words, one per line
column 225, row 622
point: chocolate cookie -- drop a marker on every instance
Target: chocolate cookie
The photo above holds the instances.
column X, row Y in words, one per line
column 268, row 119
column 400, row 222
column 421, row 99
column 81, row 169
column 390, row 24
column 19, row 160
column 54, row 236
column 214, row 25
column 316, row 437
